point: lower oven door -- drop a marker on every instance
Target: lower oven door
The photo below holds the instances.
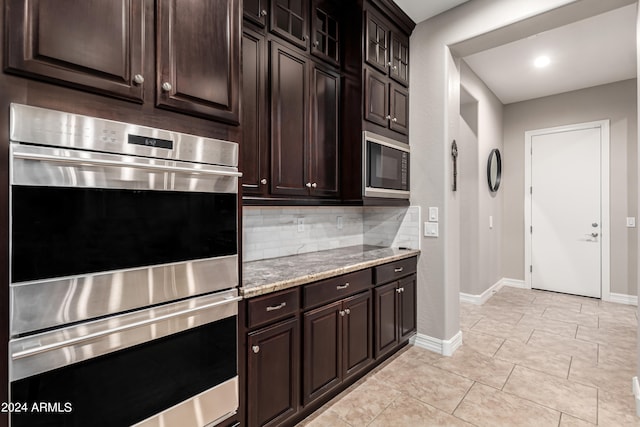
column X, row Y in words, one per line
column 172, row 365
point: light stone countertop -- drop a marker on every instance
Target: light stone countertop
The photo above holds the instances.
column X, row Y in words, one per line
column 271, row 275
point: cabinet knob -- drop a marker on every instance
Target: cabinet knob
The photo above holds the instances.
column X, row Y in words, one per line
column 166, row 86
column 308, row 185
column 138, row 79
column 395, row 68
column 263, row 181
column 388, row 117
column 398, row 291
column 341, row 313
column 305, row 37
column 348, row 311
column 263, row 12
column 255, row 348
column 314, row 185
column 316, row 43
column 394, row 120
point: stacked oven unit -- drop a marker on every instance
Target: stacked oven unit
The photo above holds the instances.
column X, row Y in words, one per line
column 124, row 274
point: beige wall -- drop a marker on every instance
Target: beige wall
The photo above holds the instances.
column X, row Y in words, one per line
column 480, row 246
column 434, row 118
column 616, row 102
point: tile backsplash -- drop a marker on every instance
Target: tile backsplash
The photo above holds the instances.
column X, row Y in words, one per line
column 270, row 232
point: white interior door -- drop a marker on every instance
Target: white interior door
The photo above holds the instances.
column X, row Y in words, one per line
column 566, row 219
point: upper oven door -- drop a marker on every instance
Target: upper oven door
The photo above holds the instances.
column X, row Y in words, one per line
column 386, row 168
column 107, row 233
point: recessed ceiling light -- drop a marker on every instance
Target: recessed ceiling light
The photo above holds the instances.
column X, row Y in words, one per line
column 542, row 61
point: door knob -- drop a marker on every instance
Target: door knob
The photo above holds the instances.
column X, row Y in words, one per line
column 594, row 224
column 594, row 234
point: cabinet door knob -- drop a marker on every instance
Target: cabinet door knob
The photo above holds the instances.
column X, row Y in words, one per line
column 341, row 313
column 395, row 68
column 348, row 311
column 263, row 181
column 388, row 117
column 394, row 120
column 402, row 289
column 166, row 86
column 305, row 37
column 263, row 12
column 398, row 291
column 314, row 185
column 308, row 185
column 255, row 348
column 138, row 79
column 390, row 63
column 316, row 43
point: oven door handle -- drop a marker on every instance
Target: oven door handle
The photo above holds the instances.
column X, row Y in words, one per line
column 120, row 164
column 92, row 336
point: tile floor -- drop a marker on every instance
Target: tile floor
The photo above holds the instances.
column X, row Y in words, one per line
column 529, row 358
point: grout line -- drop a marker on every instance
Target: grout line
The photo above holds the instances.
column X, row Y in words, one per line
column 569, row 370
column 463, row 397
column 513, row 368
column 504, row 340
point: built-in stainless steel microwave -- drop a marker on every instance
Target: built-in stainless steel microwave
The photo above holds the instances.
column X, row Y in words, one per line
column 385, row 168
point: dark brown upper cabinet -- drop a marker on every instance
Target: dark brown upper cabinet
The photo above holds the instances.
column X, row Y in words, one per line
column 325, row 31
column 305, row 100
column 289, row 121
column 399, row 64
column 100, row 46
column 386, row 103
column 325, row 132
column 255, row 120
column 96, row 45
column 399, row 109
column 289, row 19
column 376, row 41
column 198, row 58
column 386, row 48
column 256, row 11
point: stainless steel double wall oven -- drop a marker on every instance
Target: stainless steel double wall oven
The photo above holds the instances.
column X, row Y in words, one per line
column 124, row 273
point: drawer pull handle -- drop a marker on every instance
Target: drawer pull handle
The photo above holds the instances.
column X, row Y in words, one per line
column 276, row 307
column 255, row 348
column 341, row 287
column 398, row 270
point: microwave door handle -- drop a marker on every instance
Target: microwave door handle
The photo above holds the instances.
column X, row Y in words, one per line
column 120, row 164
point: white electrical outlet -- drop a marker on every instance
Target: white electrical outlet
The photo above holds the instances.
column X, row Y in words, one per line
column 339, row 223
column 631, row 221
column 300, row 225
column 430, row 229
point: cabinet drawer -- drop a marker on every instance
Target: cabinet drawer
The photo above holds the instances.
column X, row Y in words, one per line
column 272, row 307
column 394, row 270
column 335, row 288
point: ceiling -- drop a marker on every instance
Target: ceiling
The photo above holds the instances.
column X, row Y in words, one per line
column 590, row 52
column 419, row 10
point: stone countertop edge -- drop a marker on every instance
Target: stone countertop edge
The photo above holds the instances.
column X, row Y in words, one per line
column 292, row 280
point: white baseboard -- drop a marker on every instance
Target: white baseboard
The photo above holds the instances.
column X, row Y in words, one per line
column 443, row 347
column 514, row 283
column 623, row 299
column 636, row 394
column 484, row 297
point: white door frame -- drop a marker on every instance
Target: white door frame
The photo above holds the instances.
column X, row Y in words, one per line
column 603, row 125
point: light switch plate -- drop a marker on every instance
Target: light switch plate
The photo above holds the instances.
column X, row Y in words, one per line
column 631, row 221
column 433, row 214
column 431, row 229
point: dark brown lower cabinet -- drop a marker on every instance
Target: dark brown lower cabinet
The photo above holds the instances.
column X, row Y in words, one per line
column 273, row 366
column 395, row 314
column 337, row 343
